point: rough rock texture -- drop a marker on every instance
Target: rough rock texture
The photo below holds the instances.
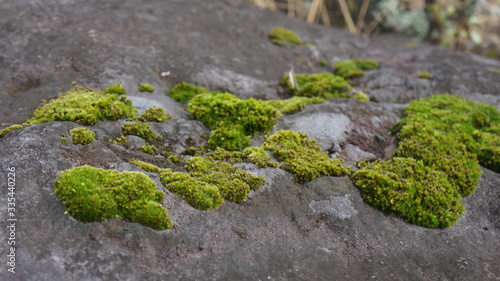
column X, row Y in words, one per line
column 284, row 231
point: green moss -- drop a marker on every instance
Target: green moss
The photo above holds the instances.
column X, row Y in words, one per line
column 458, row 120
column 154, row 114
column 149, row 149
column 349, row 69
column 232, row 118
column 259, row 157
column 361, row 96
column 294, row 104
column 279, row 35
column 184, row 92
column 91, row 194
column 123, row 141
column 411, row 190
column 145, row 87
column 8, row 129
column 323, row 63
column 302, row 157
column 84, row 106
column 146, row 166
column 424, row 75
column 323, row 85
column 82, row 136
column 116, row 89
column 141, row 130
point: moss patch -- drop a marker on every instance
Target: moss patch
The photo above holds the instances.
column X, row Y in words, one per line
column 84, row 106
column 424, row 75
column 149, row 149
column 92, row 194
column 141, row 130
column 302, row 157
column 323, row 85
column 411, row 190
column 184, row 92
column 145, row 87
column 294, row 104
column 82, row 136
column 280, row 35
column 116, row 89
column 8, row 129
column 349, row 69
column 154, row 114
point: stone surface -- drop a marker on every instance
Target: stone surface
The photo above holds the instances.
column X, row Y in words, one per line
column 284, row 231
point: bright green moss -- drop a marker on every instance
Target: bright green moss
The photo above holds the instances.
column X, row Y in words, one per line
column 280, row 35
column 116, row 89
column 349, row 69
column 82, row 136
column 209, row 182
column 232, row 118
column 154, row 114
column 302, row 157
column 141, row 130
column 8, row 129
column 123, row 141
column 259, row 157
column 84, row 106
column 145, row 87
column 424, row 75
column 149, row 149
column 463, row 121
column 183, row 92
column 323, row 85
column 294, row 104
column 146, row 166
column 411, row 190
column 92, row 194
column 361, row 96
column 228, row 138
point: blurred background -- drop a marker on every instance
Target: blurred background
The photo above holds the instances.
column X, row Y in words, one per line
column 466, row 25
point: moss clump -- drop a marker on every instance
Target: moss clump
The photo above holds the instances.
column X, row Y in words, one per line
column 92, row 194
column 149, row 149
column 232, row 118
column 82, row 136
column 256, row 155
column 123, row 141
column 141, row 130
column 146, row 166
column 184, row 92
column 209, row 182
column 145, row 87
column 349, row 69
column 452, row 119
column 154, row 114
column 323, row 85
column 228, row 138
column 424, row 75
column 116, row 89
column 411, row 190
column 302, row 157
column 259, row 157
column 280, row 35
column 84, row 106
column 294, row 104
column 8, row 129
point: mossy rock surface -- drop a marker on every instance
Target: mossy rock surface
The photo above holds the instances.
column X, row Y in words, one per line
column 183, row 92
column 349, row 69
column 303, row 157
column 84, row 106
column 280, row 35
column 92, row 194
column 411, row 190
column 154, row 114
column 323, row 85
column 82, row 136
column 141, row 130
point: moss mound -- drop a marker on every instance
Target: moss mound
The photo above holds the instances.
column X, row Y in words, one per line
column 184, row 92
column 141, row 130
column 411, row 190
column 349, row 69
column 82, row 136
column 323, row 85
column 84, row 106
column 145, row 87
column 302, row 157
column 294, row 104
column 154, row 114
column 92, row 194
column 280, row 35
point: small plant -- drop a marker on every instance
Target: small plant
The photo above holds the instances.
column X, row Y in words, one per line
column 91, row 194
column 154, row 114
column 302, row 157
column 145, row 87
column 280, row 35
column 82, row 136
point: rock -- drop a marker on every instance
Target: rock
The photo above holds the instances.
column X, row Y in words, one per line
column 285, row 230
